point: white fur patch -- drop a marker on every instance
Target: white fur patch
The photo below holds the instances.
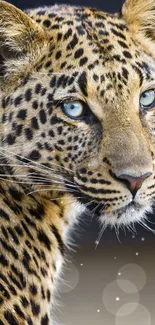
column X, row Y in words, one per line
column 72, row 211
column 130, row 216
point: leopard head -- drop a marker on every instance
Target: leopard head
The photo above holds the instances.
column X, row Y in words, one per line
column 77, row 90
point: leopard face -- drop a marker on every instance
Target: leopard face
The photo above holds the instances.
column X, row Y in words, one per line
column 77, row 102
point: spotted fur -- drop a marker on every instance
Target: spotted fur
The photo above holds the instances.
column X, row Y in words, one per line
column 53, row 168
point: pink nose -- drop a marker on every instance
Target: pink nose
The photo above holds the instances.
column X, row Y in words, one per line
column 133, row 183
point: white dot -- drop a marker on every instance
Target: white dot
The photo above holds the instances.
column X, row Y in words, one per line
column 142, row 239
column 81, row 264
column 115, row 258
column 119, row 273
column 117, row 299
column 98, row 310
column 137, row 254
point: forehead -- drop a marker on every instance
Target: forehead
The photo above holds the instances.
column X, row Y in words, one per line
column 102, row 34
column 99, row 44
column 87, row 35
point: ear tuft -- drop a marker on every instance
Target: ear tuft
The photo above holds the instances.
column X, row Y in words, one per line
column 22, row 41
column 139, row 14
column 17, row 30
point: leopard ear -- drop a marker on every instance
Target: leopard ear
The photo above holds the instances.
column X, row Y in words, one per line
column 21, row 38
column 140, row 14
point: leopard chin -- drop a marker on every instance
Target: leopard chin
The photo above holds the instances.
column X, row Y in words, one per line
column 132, row 212
column 128, row 215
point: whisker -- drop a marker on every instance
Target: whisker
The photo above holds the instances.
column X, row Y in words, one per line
column 28, row 165
column 49, row 179
column 117, row 233
column 63, row 198
column 37, row 178
column 145, row 226
column 100, row 235
column 50, row 190
column 149, row 221
column 94, row 210
column 47, row 73
column 19, row 182
column 48, row 173
column 132, row 229
column 34, row 162
column 42, row 173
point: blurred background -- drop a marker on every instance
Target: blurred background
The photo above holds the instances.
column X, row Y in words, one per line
column 113, row 283
column 110, row 5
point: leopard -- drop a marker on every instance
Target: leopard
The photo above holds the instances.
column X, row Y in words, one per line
column 77, row 137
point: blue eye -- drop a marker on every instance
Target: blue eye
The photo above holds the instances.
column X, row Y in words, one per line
column 74, row 110
column 147, row 99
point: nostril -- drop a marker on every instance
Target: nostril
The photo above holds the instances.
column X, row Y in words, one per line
column 134, row 183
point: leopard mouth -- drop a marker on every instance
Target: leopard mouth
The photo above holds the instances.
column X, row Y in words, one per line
column 100, row 207
column 130, row 213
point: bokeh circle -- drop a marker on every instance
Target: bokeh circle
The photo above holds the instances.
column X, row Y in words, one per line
column 140, row 315
column 114, row 297
column 134, row 273
column 69, row 280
